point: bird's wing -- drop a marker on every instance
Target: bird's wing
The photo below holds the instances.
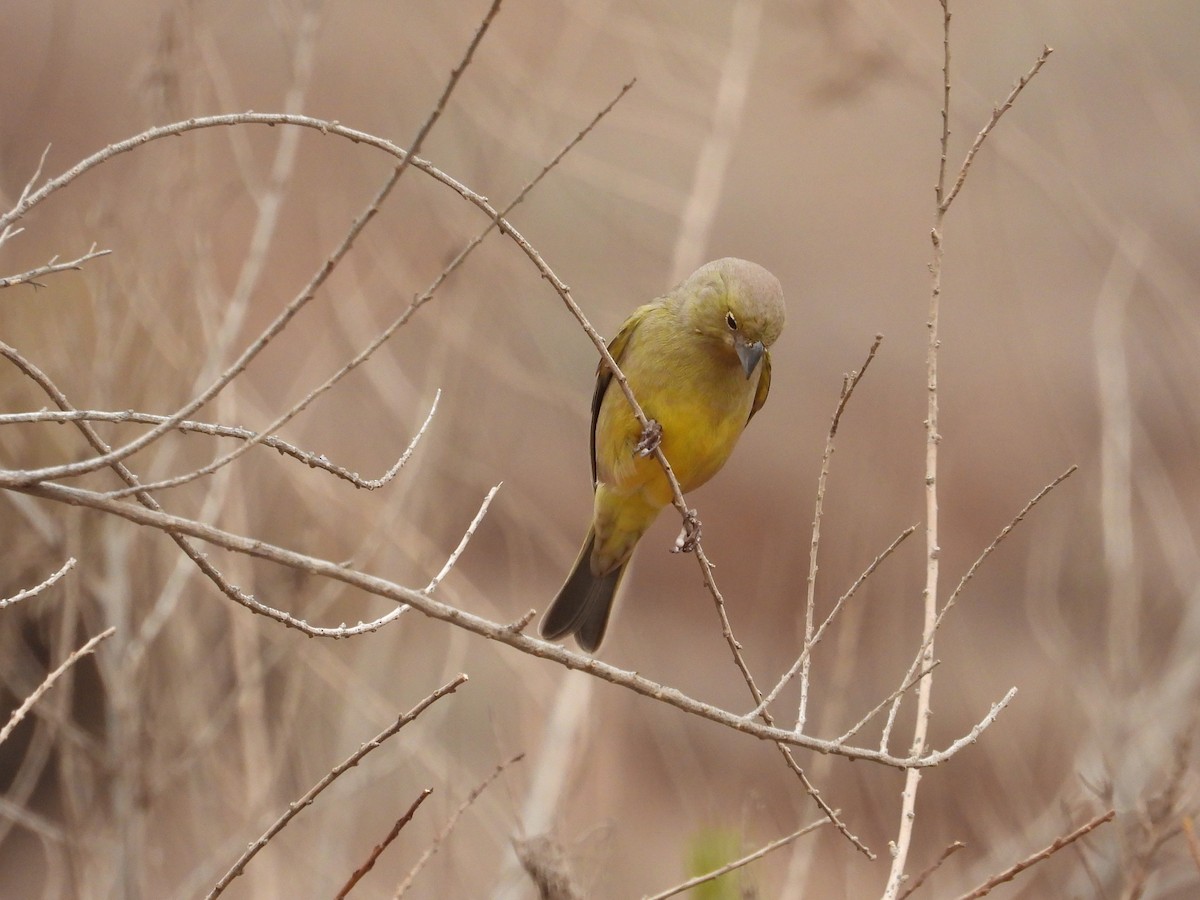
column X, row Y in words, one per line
column 764, row 386
column 616, row 347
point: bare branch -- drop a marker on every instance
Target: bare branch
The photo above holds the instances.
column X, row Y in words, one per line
column 188, row 426
column 1011, row 873
column 50, row 268
column 21, row 711
column 34, row 591
column 382, row 845
column 305, row 801
column 933, row 438
column 920, row 879
column 973, row 735
column 1004, row 532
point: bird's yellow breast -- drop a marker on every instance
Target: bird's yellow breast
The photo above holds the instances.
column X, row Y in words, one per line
column 695, row 389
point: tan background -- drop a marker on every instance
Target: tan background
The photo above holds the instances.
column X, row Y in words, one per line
column 1070, row 266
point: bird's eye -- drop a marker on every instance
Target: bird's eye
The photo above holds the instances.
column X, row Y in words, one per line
column 731, row 321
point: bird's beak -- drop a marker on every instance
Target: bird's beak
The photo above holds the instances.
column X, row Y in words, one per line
column 748, row 353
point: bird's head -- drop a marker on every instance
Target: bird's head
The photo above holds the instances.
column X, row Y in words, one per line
column 736, row 303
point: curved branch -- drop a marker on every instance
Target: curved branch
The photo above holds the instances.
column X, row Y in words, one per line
column 505, row 634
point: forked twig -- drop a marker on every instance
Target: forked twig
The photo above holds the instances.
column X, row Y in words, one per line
column 51, row 268
column 997, row 112
column 933, row 438
column 6, row 226
column 879, row 707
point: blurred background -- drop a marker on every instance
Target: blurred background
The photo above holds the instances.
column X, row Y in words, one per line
column 802, row 135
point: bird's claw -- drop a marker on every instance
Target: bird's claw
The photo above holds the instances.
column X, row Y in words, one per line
column 689, row 537
column 651, row 438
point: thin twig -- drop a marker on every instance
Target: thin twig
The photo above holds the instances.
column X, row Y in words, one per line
column 973, row 735
column 849, row 383
column 441, row 836
column 1011, row 873
column 921, row 879
column 738, row 863
column 1004, row 532
column 462, row 544
column 816, row 636
column 979, row 560
column 382, row 845
column 34, row 591
column 878, row 708
column 997, row 112
column 7, row 231
column 305, row 801
column 21, row 711
column 763, row 713
column 187, row 426
column 51, row 268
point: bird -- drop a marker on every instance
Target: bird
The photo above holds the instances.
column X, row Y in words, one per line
column 698, row 362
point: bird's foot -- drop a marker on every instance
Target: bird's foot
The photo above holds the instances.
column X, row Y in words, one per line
column 689, row 537
column 651, row 438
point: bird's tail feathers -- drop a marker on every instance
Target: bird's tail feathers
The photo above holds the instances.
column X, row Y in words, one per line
column 584, row 602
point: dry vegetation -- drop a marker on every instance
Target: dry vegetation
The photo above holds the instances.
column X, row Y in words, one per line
column 274, row 285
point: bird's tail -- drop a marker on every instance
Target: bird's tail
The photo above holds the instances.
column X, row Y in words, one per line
column 584, row 602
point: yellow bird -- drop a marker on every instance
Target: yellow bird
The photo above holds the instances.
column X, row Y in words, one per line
column 698, row 364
